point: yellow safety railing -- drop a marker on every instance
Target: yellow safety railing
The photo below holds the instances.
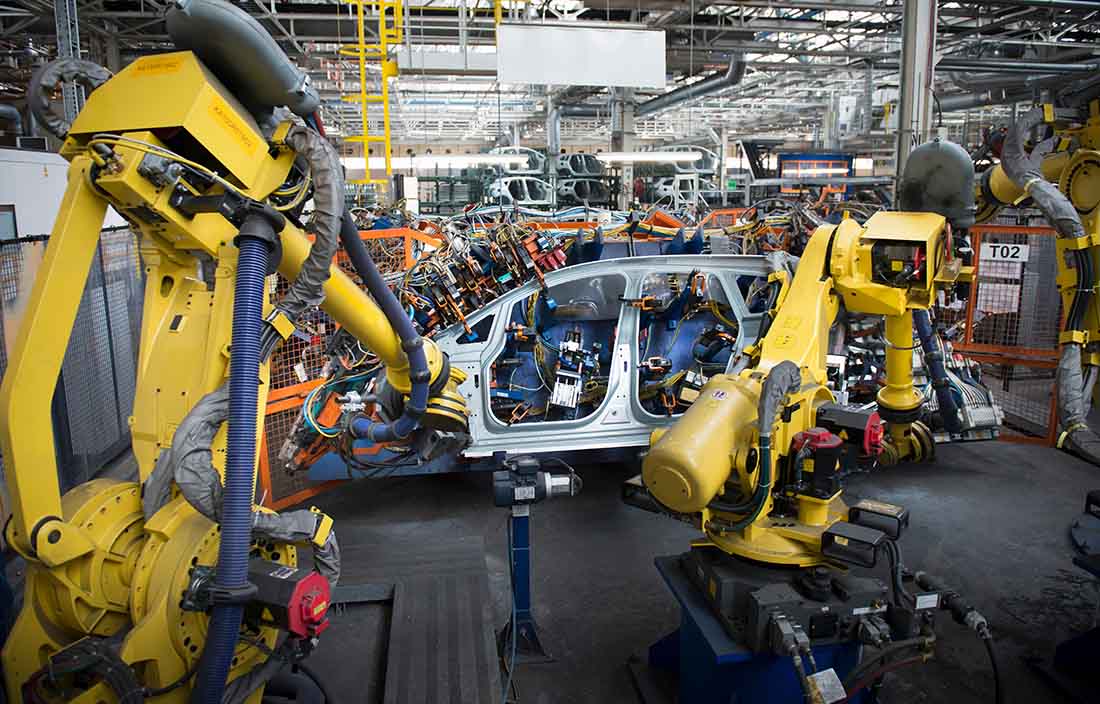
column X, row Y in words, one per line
column 390, row 32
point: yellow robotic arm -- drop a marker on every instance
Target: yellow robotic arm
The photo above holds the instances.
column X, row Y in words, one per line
column 1065, row 185
column 125, row 581
column 746, row 461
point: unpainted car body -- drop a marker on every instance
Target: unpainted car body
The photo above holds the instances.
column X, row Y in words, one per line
column 578, row 165
column 582, row 190
column 590, row 292
column 521, row 190
column 705, row 165
column 534, row 166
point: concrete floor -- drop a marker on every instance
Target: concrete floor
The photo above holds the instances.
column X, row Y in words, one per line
column 991, row 518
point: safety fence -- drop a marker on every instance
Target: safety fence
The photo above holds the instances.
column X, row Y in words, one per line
column 297, row 365
column 94, row 396
column 1011, row 322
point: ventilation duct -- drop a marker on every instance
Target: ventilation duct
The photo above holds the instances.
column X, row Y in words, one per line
column 700, row 89
column 243, row 55
column 11, row 114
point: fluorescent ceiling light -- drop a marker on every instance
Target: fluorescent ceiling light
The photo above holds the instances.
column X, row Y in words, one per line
column 431, row 161
column 636, row 157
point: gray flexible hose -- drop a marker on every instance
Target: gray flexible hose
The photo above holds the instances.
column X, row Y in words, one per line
column 1059, row 211
column 189, row 464
column 328, row 206
column 43, row 82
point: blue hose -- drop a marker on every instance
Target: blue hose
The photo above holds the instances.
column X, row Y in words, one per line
column 419, row 374
column 231, row 578
column 933, row 359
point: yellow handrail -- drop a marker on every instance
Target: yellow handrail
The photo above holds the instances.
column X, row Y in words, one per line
column 390, row 32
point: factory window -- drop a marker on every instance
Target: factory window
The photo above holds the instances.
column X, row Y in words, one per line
column 8, row 228
column 687, row 333
column 557, row 353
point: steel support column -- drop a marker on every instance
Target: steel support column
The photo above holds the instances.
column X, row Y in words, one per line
column 918, row 46
column 68, row 47
column 553, row 143
column 622, row 139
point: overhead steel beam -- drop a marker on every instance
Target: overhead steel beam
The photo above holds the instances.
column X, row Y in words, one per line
column 1083, row 5
column 18, row 26
column 918, row 47
column 875, row 6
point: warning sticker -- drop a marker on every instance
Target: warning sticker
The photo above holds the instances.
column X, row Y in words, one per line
column 827, row 687
column 237, row 128
column 158, row 65
column 928, row 601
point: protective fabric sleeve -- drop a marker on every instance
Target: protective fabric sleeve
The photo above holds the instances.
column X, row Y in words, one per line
column 1059, row 211
column 299, row 527
column 328, row 207
column 1027, row 175
column 43, row 81
column 189, row 463
column 784, row 378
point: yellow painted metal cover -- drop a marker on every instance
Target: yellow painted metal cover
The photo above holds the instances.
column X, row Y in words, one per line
column 176, row 90
column 903, row 227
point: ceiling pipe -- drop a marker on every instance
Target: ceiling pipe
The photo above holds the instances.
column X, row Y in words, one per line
column 11, row 114
column 583, row 111
column 1086, row 5
column 1004, row 66
column 999, row 66
column 699, row 89
column 999, row 91
column 977, row 82
column 967, row 101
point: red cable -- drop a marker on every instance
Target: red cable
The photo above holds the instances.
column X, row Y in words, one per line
column 869, row 679
column 317, row 121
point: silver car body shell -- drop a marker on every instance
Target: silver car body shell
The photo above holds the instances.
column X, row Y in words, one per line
column 705, row 165
column 581, row 190
column 535, row 166
column 502, row 189
column 578, row 165
column 620, row 421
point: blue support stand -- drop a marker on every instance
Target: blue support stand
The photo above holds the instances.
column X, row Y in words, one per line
column 529, row 648
column 710, row 666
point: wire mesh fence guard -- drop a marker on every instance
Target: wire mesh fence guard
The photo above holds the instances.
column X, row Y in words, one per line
column 94, row 396
column 1011, row 322
column 1024, row 392
column 297, row 364
column 99, row 373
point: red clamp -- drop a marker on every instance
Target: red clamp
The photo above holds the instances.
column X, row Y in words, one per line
column 873, row 435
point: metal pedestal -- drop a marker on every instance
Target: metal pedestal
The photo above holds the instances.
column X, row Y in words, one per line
column 707, row 665
column 529, row 648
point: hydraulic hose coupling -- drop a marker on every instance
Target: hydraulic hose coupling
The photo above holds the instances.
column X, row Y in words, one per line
column 261, row 222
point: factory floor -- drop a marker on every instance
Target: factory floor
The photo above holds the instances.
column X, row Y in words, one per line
column 990, row 518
